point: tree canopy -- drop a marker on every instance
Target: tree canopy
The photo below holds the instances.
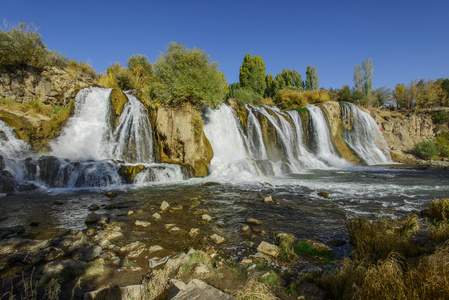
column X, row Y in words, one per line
column 252, row 74
column 189, row 75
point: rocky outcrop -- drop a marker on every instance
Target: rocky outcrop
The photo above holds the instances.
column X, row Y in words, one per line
column 402, row 130
column 181, row 139
column 332, row 110
column 118, row 100
column 52, row 86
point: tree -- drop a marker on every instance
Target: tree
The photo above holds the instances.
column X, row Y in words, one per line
column 400, row 95
column 278, row 83
column 21, row 47
column 358, row 78
column 232, row 88
column 252, row 74
column 309, row 84
column 189, row 75
column 315, row 81
column 367, row 66
column 140, row 62
column 269, row 91
column 383, row 95
column 344, row 94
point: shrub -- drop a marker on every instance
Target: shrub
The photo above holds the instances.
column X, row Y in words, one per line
column 442, row 144
column 117, row 77
column 440, row 117
column 21, row 47
column 425, row 150
column 189, row 75
column 246, row 96
column 291, row 99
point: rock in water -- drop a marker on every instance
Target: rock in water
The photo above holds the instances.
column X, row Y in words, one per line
column 165, row 206
column 253, row 221
column 217, row 239
column 111, row 194
column 269, row 249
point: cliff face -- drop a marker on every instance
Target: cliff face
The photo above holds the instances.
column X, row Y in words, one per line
column 181, row 139
column 52, row 86
column 402, row 130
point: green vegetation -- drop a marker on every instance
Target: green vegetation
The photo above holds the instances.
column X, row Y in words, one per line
column 303, row 248
column 289, row 99
column 189, row 75
column 425, row 150
column 252, row 74
column 312, row 82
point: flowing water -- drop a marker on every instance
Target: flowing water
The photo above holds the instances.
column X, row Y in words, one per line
column 89, row 153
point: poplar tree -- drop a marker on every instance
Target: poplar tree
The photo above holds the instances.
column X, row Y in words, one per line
column 309, row 80
column 269, row 81
column 358, row 78
column 315, row 81
column 367, row 66
column 252, row 74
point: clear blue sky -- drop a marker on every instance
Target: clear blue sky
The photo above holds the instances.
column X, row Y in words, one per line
column 405, row 39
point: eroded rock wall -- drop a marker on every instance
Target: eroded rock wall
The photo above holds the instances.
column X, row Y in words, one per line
column 402, row 130
column 181, row 139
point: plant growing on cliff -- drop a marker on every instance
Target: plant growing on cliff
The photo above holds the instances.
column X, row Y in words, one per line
column 425, row 150
column 189, row 75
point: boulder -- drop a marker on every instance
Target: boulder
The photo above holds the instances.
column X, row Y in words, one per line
column 23, row 245
column 87, row 253
column 269, row 249
column 142, row 223
column 156, row 216
column 253, row 221
column 55, row 267
column 165, row 206
column 196, row 290
column 111, row 194
column 217, row 239
column 206, row 218
column 94, row 218
column 132, row 292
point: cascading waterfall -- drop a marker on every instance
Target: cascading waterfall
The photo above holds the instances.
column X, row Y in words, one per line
column 307, row 158
column 325, row 150
column 231, row 159
column 364, row 136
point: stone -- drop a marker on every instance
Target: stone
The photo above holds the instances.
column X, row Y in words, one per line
column 317, row 245
column 323, row 195
column 206, row 217
column 253, row 221
column 269, row 249
column 246, row 261
column 178, row 259
column 153, row 263
column 155, row 248
column 311, row 291
column 217, row 239
column 132, row 292
column 135, row 253
column 179, row 207
column 111, row 235
column 129, row 213
column 245, row 228
column 194, row 232
column 169, row 226
column 94, row 218
column 142, row 223
column 156, row 216
column 139, row 211
column 165, row 206
column 55, row 267
column 268, row 199
column 132, row 246
column 201, row 270
column 94, row 207
column 87, row 253
column 111, row 194
column 175, row 230
column 197, row 290
column 23, row 245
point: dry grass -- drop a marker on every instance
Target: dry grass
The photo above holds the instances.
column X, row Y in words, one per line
column 255, row 290
column 155, row 284
column 286, row 250
column 439, row 209
column 375, row 240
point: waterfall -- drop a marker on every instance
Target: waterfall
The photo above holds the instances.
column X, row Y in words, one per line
column 87, row 134
column 364, row 136
column 307, row 158
column 133, row 136
column 231, row 160
column 325, row 150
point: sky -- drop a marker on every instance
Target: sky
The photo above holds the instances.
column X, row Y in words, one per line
column 405, row 39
